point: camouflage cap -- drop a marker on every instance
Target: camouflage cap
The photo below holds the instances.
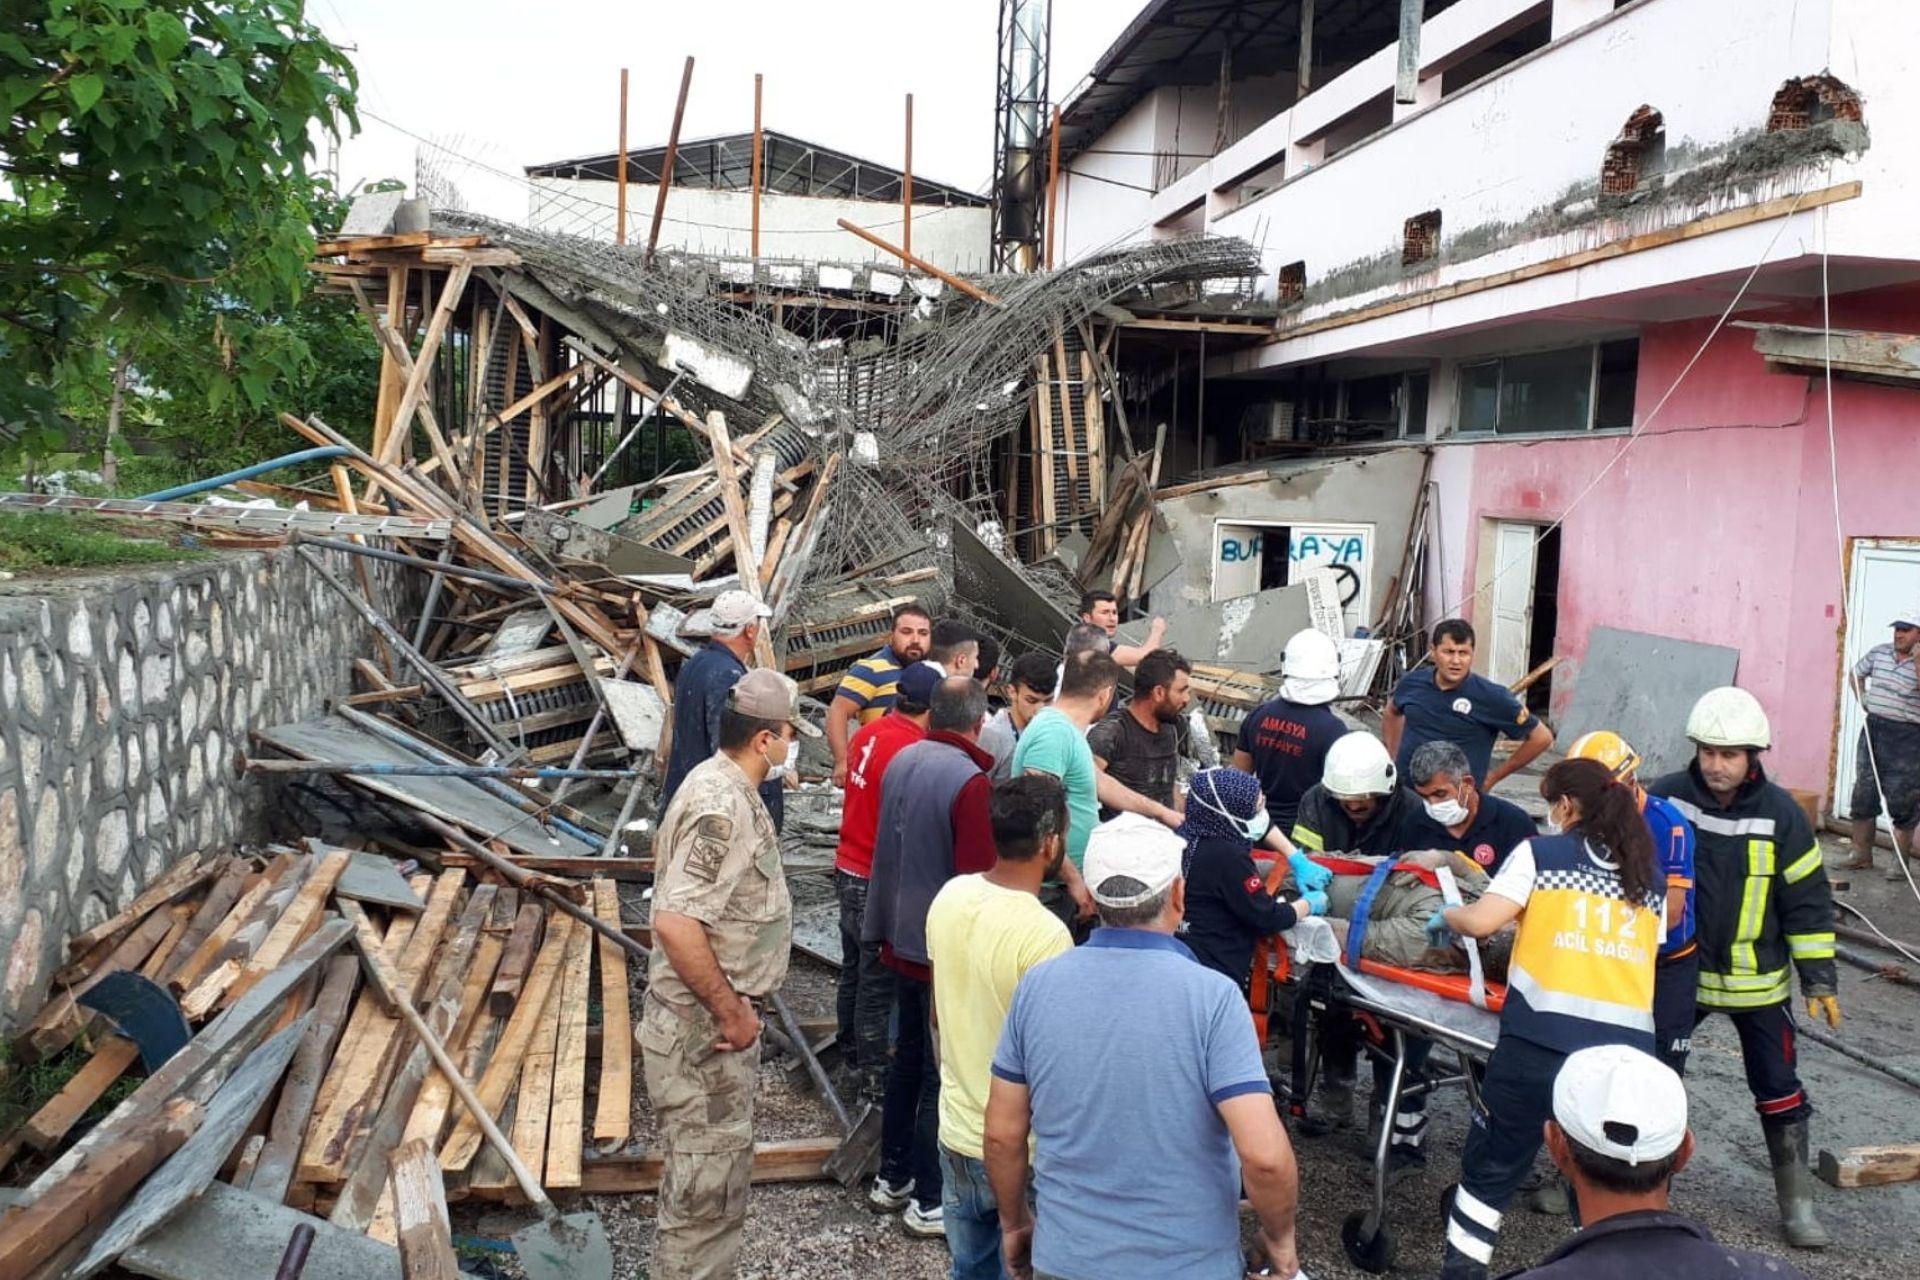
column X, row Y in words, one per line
column 768, row 695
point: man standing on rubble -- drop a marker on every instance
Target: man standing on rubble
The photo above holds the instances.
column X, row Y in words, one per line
column 1763, row 907
column 1446, row 702
column 1101, row 609
column 865, row 996
column 722, row 926
column 866, row 691
column 1137, row 1070
column 936, row 822
column 700, row 694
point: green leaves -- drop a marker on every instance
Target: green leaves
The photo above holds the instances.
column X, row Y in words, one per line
column 86, row 89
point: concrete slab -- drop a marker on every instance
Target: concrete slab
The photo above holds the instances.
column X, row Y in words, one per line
column 1248, row 632
column 1641, row 686
column 227, row 1232
column 369, row 877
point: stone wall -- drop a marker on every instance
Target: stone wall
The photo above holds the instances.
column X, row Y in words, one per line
column 125, row 697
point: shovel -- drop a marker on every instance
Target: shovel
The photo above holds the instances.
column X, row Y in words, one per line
column 558, row 1247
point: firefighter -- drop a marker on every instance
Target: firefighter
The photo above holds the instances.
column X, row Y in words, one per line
column 1762, row 905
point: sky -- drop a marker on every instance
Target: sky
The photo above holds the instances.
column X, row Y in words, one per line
column 495, row 85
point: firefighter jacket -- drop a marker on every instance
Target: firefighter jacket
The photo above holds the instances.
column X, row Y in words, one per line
column 1761, row 896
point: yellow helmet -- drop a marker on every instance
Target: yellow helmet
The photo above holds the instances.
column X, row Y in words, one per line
column 1610, row 749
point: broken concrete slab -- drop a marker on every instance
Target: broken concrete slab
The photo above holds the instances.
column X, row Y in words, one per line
column 1248, row 632
column 227, row 1232
column 1640, row 686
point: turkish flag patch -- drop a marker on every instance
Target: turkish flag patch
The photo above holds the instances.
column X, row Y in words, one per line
column 1484, row 855
column 1253, row 884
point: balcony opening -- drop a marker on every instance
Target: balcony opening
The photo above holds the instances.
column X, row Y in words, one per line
column 1638, row 154
column 1812, row 100
column 1359, row 124
column 1501, row 52
column 1420, row 241
column 1293, row 282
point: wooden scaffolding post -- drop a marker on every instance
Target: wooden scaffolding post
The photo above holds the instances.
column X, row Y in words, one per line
column 673, row 152
column 620, row 167
column 1053, row 183
column 754, row 243
column 906, row 186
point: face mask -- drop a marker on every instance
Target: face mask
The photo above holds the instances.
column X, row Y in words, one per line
column 1448, row 813
column 776, row 772
column 1251, row 829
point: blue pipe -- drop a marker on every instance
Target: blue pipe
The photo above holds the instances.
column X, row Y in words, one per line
column 247, row 473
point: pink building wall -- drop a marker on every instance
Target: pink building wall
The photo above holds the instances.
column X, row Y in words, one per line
column 1717, row 524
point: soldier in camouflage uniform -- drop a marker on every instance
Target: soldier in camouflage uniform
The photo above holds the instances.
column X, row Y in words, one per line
column 722, row 926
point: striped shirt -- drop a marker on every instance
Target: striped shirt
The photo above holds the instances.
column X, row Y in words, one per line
column 1893, row 690
column 870, row 685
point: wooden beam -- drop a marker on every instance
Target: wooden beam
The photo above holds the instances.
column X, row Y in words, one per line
column 566, row 1120
column 523, row 944
column 613, row 1113
column 673, row 154
column 945, row 277
column 1870, row 1166
column 301, row 918
column 906, row 185
column 1053, row 185
column 794, row 1160
column 419, row 1193
column 423, row 364
column 183, row 877
column 620, row 167
column 273, row 1172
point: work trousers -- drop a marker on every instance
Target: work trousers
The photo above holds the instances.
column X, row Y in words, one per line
column 703, row 1101
column 1772, row 1059
column 1675, row 985
column 1891, row 771
column 1502, row 1142
column 910, row 1112
column 864, row 999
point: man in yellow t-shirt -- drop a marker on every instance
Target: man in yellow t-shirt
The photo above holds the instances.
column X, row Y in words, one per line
column 983, row 932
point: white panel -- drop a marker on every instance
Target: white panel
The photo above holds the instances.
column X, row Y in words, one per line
column 1883, row 584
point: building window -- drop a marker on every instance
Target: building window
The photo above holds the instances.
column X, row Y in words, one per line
column 1812, row 100
column 1585, row 388
column 1293, row 282
column 1639, row 153
column 1420, row 241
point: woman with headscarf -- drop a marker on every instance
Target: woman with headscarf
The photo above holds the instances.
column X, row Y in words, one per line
column 1228, row 906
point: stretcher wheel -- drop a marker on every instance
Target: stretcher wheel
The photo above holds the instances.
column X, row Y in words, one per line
column 1372, row 1254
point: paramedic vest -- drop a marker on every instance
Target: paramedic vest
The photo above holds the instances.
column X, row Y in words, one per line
column 1582, row 969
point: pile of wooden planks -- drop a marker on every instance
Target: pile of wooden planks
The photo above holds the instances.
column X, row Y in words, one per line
column 535, row 1005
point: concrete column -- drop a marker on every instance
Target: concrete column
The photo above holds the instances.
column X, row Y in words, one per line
column 1569, row 15
column 1425, row 94
column 1443, row 397
column 1302, row 156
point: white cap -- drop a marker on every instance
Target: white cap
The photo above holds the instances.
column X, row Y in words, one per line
column 1135, row 846
column 1620, row 1102
column 733, row 611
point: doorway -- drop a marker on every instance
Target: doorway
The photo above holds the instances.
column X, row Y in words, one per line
column 1883, row 580
column 1251, row 556
column 1520, row 563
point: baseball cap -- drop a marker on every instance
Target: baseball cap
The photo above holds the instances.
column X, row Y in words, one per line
column 768, row 695
column 733, row 611
column 1621, row 1102
column 1911, row 618
column 918, row 680
column 1135, row 846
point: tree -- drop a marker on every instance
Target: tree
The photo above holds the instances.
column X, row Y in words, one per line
column 155, row 157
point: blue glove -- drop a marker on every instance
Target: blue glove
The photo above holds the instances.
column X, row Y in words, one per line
column 1315, row 901
column 1438, row 933
column 1308, row 875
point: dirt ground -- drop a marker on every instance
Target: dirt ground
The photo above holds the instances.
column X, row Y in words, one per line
column 819, row 1231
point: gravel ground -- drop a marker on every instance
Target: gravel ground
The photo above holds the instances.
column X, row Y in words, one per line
column 821, row 1232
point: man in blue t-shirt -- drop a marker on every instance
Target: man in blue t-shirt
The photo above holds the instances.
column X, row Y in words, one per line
column 1447, row 702
column 1455, row 814
column 1125, row 1055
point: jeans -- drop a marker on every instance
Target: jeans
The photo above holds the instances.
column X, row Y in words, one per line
column 972, row 1219
column 910, row 1112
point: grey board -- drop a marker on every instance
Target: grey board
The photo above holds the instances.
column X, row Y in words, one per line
column 1247, row 632
column 985, row 580
column 1642, row 686
column 226, row 1232
column 455, row 800
column 369, row 877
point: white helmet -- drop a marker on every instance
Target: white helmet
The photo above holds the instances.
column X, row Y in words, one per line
column 1358, row 765
column 1310, row 655
column 1729, row 717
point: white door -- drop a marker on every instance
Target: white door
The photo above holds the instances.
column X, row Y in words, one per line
column 1512, row 593
column 1882, row 584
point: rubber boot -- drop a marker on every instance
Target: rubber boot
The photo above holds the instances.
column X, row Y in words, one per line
column 1549, row 1195
column 1458, row 1266
column 1332, row 1108
column 1793, row 1185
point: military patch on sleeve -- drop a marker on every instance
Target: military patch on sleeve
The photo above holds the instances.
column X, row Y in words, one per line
column 709, row 841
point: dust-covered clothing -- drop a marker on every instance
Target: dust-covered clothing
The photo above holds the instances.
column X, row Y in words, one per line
column 1142, row 760
column 1323, row 826
column 1397, row 922
column 1886, row 763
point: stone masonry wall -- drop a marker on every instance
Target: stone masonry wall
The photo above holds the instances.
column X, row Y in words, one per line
column 124, row 699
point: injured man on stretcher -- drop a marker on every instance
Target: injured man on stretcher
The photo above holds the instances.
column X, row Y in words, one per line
column 1396, row 930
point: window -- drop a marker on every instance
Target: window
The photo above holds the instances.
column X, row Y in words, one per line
column 1581, row 388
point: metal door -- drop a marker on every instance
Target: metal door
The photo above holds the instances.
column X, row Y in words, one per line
column 1883, row 582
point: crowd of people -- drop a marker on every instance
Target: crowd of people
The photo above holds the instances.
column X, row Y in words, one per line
column 1047, row 939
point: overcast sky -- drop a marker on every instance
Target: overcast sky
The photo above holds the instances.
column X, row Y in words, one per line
column 504, row 83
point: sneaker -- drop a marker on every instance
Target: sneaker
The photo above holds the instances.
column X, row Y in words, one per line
column 889, row 1197
column 927, row 1224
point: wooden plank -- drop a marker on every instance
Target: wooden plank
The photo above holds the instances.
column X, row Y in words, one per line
column 1870, row 1166
column 628, row 870
column 273, row 1173
column 203, row 957
column 423, row 363
column 301, row 917
column 522, row 946
column 794, row 1160
column 613, row 1107
column 566, row 1123
column 30, row 1236
column 249, row 1158
column 208, row 994
column 44, row 1130
column 1043, row 512
column 508, row 1056
column 420, row 1214
column 189, row 873
column 533, row 1104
